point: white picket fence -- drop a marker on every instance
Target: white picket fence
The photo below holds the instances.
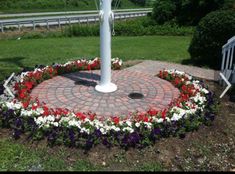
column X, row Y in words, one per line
column 228, row 60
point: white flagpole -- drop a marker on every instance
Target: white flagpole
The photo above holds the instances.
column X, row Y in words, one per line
column 106, row 17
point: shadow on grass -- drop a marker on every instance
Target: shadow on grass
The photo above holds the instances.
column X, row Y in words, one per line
column 13, row 60
column 188, row 62
column 10, row 65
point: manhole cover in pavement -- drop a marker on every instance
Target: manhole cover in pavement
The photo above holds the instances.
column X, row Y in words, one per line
column 136, row 95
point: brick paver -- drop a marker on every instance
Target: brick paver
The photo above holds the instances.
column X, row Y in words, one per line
column 76, row 91
column 153, row 67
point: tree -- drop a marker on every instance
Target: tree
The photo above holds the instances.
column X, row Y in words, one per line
column 186, row 12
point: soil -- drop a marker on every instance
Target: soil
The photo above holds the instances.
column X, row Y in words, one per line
column 211, row 148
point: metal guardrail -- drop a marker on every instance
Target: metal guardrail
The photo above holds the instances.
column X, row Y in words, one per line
column 62, row 20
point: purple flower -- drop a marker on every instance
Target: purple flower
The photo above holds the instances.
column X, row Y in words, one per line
column 1, row 89
column 98, row 133
column 157, row 131
column 71, row 135
column 18, row 122
column 17, row 133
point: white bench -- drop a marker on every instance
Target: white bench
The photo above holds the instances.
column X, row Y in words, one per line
column 228, row 60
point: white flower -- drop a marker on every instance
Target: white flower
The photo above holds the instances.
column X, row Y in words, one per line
column 148, row 125
column 205, row 91
column 103, row 131
column 129, row 123
column 137, row 124
column 56, row 124
column 128, row 129
column 160, row 120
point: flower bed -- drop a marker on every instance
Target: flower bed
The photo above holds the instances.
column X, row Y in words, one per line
column 193, row 107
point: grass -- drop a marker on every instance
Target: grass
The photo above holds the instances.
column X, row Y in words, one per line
column 151, row 167
column 18, row 54
column 17, row 157
column 19, row 6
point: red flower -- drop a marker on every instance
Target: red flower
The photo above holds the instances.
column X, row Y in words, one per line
column 146, row 119
column 91, row 116
column 152, row 112
column 116, row 120
column 29, row 85
column 46, row 111
column 184, row 88
column 80, row 115
column 25, row 104
column 16, row 87
column 22, row 94
column 34, row 106
column 160, row 74
column 88, row 67
column 164, row 114
column 177, row 81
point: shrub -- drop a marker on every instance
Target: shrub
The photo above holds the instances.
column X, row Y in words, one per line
column 211, row 34
column 132, row 27
column 139, row 2
column 163, row 11
column 187, row 12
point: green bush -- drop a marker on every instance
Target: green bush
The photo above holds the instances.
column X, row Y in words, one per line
column 187, row 12
column 82, row 30
column 132, row 27
column 211, row 34
column 163, row 11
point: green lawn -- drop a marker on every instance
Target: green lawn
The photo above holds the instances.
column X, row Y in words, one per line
column 17, row 157
column 16, row 54
column 19, row 6
column 14, row 156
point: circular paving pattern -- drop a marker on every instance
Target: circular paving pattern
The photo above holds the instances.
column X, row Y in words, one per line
column 76, row 92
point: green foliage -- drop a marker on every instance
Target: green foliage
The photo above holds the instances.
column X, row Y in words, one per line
column 191, row 11
column 133, row 27
column 163, row 11
column 139, row 2
column 60, row 5
column 186, row 12
column 211, row 34
column 82, row 30
column 150, row 167
column 14, row 157
column 17, row 157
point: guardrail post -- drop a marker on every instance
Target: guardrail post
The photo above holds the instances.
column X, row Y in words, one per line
column 59, row 23
column 69, row 21
column 19, row 27
column 2, row 27
column 87, row 20
column 33, row 25
column 48, row 27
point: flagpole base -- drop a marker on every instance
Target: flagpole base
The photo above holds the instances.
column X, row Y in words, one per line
column 107, row 88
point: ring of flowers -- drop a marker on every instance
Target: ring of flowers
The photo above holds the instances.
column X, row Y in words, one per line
column 193, row 107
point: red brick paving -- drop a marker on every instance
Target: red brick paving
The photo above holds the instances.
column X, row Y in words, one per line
column 153, row 67
column 68, row 92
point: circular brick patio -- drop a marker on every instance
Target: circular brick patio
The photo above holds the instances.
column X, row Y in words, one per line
column 76, row 91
